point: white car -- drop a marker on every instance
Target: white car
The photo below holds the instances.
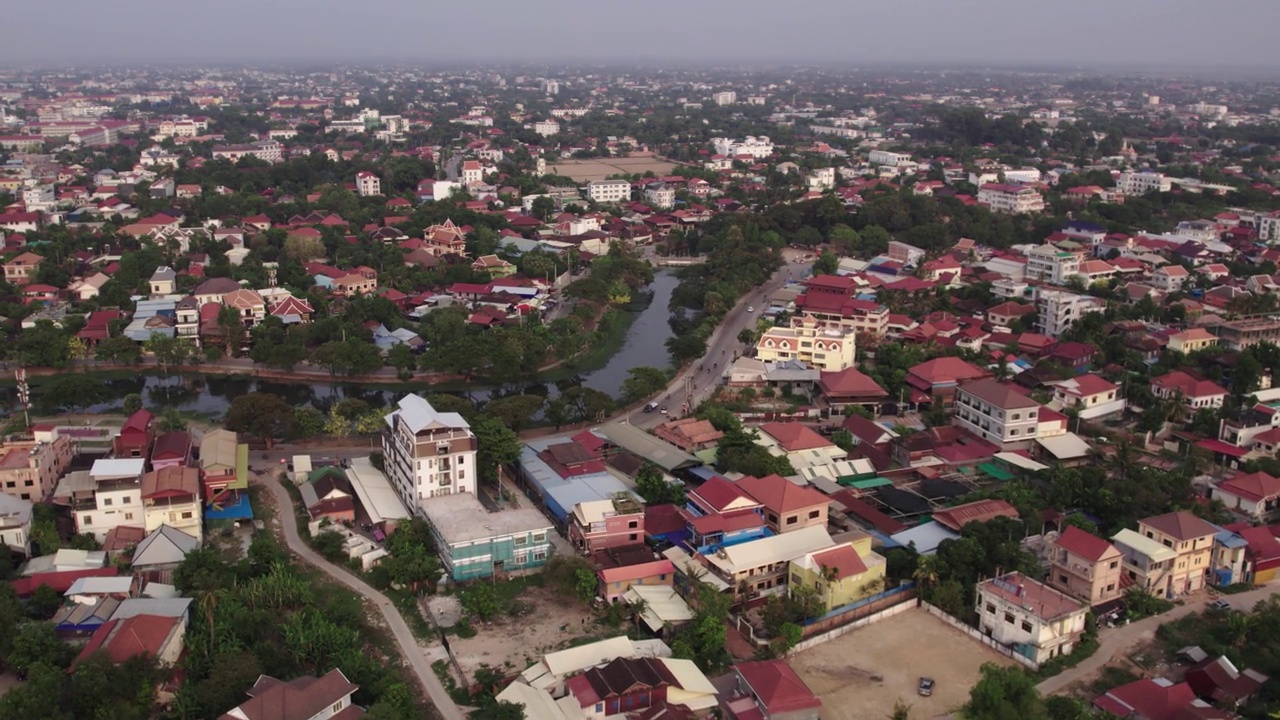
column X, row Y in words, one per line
column 751, row 308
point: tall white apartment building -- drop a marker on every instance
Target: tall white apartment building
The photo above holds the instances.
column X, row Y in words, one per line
column 1058, row 310
column 756, row 146
column 368, row 184
column 728, row 97
column 609, row 191
column 551, row 87
column 1010, row 199
column 822, row 179
column 547, row 128
column 1269, row 227
column 1141, row 183
column 660, row 195
column 1046, row 262
column 892, row 159
column 427, row 453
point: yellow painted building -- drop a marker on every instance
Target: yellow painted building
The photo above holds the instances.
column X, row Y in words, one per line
column 825, row 349
column 842, row 574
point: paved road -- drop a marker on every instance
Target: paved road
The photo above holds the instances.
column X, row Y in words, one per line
column 1115, row 642
column 694, row 383
column 404, row 637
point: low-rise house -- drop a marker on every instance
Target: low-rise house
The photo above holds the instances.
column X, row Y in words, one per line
column 940, row 377
column 1191, row 340
column 622, row 568
column 1086, row 566
column 1217, row 680
column 843, row 574
column 769, row 690
column 957, row 517
column 327, row 494
column 787, row 507
column 1156, row 699
column 21, row 269
column 1168, row 555
column 171, row 496
column 1090, row 394
column 851, row 387
column 136, row 435
column 303, row 698
column 171, row 449
column 1253, row 496
column 153, row 636
column 162, row 549
column 689, row 434
column 599, row 524
column 248, row 304
column 108, row 495
column 1193, row 392
column 475, row 543
column 1032, row 619
column 225, row 464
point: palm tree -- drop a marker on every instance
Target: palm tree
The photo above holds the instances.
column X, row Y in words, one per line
column 829, row 577
column 1238, row 626
column 926, row 573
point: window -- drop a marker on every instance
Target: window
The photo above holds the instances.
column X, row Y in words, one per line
column 991, row 608
column 793, row 519
column 1008, row 617
column 1026, row 626
column 1111, row 587
column 814, row 514
column 539, row 555
column 633, row 524
column 186, row 516
column 126, row 500
column 337, row 707
column 540, row 537
column 632, row 537
column 106, row 502
column 128, row 516
column 521, row 541
column 1114, row 564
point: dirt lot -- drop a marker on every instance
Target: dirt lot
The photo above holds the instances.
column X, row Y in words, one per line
column 600, row 168
column 862, row 674
column 8, row 681
column 516, row 643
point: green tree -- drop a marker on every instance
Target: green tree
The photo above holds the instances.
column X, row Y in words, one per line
column 36, row 642
column 261, row 415
column 44, row 345
column 401, row 357
column 132, row 403
column 516, row 411
column 496, row 446
column 826, row 264
column 1004, row 693
column 119, row 350
column 642, row 382
column 655, row 489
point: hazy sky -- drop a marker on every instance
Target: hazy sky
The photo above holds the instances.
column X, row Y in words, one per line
column 936, row 32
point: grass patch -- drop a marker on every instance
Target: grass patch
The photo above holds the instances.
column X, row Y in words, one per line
column 1236, row 588
column 407, row 604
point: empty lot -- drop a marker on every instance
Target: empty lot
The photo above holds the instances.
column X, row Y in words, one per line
column 600, row 168
column 862, row 674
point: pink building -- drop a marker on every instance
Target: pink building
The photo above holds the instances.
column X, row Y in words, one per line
column 600, row 524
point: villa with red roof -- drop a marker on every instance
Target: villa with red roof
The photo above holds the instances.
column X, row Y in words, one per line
column 800, row 444
column 1092, row 395
column 1157, row 699
column 1196, row 393
column 1086, row 566
column 158, row 637
column 1035, row 620
column 843, row 574
column 850, row 387
column 832, row 300
column 1255, row 496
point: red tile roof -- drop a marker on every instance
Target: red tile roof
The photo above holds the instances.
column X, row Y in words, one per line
column 843, row 559
column 779, row 494
column 980, row 511
column 1085, row 544
column 1181, row 525
column 793, row 436
column 1256, row 486
column 718, row 494
column 945, row 370
column 777, row 686
column 124, row 639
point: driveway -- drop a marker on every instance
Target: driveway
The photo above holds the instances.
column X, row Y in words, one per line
column 1115, row 642
column 409, row 649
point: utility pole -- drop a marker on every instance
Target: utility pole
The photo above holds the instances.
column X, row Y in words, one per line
column 24, row 396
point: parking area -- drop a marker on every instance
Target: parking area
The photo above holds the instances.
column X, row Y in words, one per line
column 862, row 674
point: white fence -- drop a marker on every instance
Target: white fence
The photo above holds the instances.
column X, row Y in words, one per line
column 973, row 633
column 844, row 629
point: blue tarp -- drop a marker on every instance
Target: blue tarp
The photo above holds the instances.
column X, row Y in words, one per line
column 230, row 508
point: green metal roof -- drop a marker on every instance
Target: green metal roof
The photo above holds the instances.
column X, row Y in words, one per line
column 868, row 483
column 995, row 471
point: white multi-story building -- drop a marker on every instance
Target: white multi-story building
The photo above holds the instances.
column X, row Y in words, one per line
column 1207, row 109
column 1046, row 262
column 609, row 191
column 1141, row 183
column 268, row 150
column 1034, row 620
column 547, row 128
column 1011, row 199
column 885, row 157
column 551, row 87
column 38, row 197
column 472, row 172
column 728, row 97
column 368, row 184
column 1058, row 310
column 756, row 146
column 427, row 453
column 1269, row 227
column 108, row 496
column 997, row 412
column 569, row 113
column 822, row 179
column 660, row 195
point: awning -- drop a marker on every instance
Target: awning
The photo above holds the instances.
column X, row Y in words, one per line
column 1222, row 448
column 1021, row 461
column 995, row 471
column 866, row 484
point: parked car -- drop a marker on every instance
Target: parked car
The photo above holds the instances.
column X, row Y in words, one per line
column 925, row 688
column 751, row 308
column 1220, row 605
column 650, row 407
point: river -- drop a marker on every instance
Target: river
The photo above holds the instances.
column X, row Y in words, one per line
column 645, row 344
